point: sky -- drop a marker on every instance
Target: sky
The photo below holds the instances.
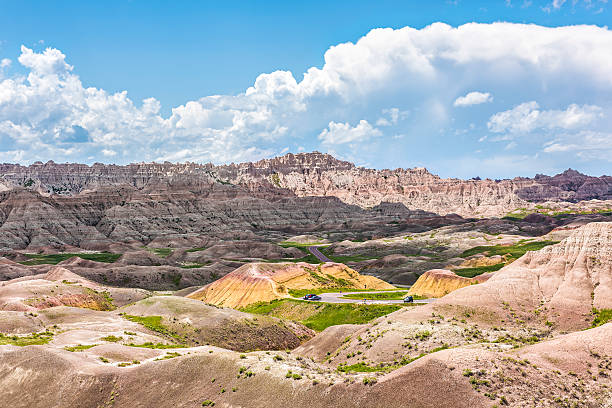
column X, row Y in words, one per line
column 497, row 88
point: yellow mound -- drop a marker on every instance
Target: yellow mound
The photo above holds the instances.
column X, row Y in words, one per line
column 263, row 282
column 440, row 282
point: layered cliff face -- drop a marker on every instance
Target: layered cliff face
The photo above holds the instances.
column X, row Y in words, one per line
column 92, row 206
column 311, row 174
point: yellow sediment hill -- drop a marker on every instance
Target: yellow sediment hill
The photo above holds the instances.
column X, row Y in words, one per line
column 440, row 282
column 263, row 282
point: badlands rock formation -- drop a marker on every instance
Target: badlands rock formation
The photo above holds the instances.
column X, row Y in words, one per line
column 561, row 283
column 92, row 207
column 439, row 282
column 263, row 282
column 60, row 287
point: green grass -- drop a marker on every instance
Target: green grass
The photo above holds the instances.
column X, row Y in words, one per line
column 602, row 316
column 169, row 355
column 298, row 293
column 515, row 251
column 291, row 244
column 479, row 270
column 53, row 259
column 193, row 266
column 196, row 249
column 161, row 252
column 152, row 323
column 378, row 296
column 319, row 316
column 347, row 313
column 359, row 368
column 512, row 252
column 112, row 339
column 29, row 340
column 79, row 347
column 157, row 345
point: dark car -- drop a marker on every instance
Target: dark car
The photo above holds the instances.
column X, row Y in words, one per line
column 408, row 299
column 312, row 297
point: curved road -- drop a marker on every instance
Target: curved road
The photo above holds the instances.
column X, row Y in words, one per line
column 317, row 254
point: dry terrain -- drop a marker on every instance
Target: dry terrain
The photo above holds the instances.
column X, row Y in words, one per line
column 177, row 285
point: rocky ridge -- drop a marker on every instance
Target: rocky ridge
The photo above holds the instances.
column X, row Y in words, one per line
column 313, row 174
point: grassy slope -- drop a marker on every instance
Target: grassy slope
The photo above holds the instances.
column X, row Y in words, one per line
column 515, row 251
column 602, row 316
column 29, row 340
column 319, row 316
column 378, row 296
column 303, row 292
column 512, row 252
column 54, row 259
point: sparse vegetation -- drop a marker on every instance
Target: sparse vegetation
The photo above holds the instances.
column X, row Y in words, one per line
column 28, row 340
column 112, row 339
column 79, row 347
column 359, row 368
column 602, row 316
column 151, row 323
column 157, row 345
column 161, row 252
column 169, row 355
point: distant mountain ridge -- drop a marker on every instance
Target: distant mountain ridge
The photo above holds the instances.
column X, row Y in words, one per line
column 312, row 174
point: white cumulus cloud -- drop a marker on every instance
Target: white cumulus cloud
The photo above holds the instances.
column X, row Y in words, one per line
column 527, row 117
column 339, row 133
column 405, row 81
column 473, row 98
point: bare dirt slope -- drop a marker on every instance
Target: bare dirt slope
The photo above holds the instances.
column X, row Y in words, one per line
column 440, row 282
column 572, row 370
column 561, row 283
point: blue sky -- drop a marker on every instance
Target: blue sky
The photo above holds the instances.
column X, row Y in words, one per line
column 379, row 104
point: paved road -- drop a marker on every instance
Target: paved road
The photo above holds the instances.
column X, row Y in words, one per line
column 315, row 251
column 337, row 297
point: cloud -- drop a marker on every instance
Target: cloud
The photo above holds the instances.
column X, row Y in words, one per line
column 587, row 145
column 5, row 62
column 527, row 117
column 390, row 82
column 393, row 115
column 340, row 133
column 473, row 98
column 556, row 5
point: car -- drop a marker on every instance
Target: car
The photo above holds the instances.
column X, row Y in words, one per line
column 408, row 299
column 312, row 297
